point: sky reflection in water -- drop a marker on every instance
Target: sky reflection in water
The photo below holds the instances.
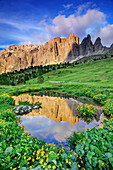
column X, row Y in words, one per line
column 57, row 119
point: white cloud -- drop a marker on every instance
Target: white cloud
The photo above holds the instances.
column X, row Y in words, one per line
column 25, row 43
column 106, row 34
column 81, row 22
column 20, row 25
column 42, row 22
column 83, row 8
column 4, row 46
column 67, row 6
column 41, row 38
column 62, row 25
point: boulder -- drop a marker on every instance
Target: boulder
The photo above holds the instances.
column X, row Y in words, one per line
column 22, row 109
column 36, row 107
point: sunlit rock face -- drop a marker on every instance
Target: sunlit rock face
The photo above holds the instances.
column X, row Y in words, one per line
column 17, row 57
column 54, row 108
column 58, row 50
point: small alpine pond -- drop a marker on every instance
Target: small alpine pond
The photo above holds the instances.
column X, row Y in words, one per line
column 58, row 117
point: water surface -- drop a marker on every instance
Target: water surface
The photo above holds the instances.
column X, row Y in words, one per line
column 57, row 119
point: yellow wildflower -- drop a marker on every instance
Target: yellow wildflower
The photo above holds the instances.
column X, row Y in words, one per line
column 66, row 160
column 78, row 165
column 49, row 166
column 54, row 167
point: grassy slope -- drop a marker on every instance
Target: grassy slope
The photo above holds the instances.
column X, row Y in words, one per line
column 96, row 77
column 96, row 73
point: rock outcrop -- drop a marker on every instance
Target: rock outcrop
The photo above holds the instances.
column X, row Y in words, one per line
column 98, row 45
column 86, row 46
column 110, row 51
column 58, row 50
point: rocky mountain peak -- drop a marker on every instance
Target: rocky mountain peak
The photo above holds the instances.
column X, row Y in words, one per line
column 98, row 45
column 86, row 46
column 89, row 37
column 71, row 34
column 58, row 50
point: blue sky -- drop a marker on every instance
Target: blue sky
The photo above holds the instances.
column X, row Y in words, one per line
column 38, row 21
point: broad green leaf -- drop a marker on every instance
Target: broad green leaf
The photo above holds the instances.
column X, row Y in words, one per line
column 64, row 155
column 23, row 168
column 54, row 161
column 9, row 150
column 53, row 156
column 8, row 158
column 36, row 146
column 111, row 161
column 95, row 149
column 108, row 154
column 23, row 162
column 1, row 150
column 94, row 161
column 38, row 167
column 74, row 166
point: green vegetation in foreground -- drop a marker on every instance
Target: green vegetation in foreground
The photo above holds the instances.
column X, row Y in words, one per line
column 87, row 110
column 93, row 149
column 20, row 150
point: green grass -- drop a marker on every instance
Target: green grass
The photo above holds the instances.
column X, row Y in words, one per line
column 97, row 73
column 18, row 148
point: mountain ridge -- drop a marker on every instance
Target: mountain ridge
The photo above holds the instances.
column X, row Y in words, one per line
column 58, row 50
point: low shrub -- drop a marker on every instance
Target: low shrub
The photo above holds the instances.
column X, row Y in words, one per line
column 89, row 93
column 100, row 97
column 108, row 107
column 5, row 98
column 8, row 116
column 86, row 110
column 75, row 139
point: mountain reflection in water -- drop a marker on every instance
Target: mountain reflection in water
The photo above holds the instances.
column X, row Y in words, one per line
column 57, row 119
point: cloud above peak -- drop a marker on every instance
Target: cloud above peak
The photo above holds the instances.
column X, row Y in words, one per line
column 92, row 22
column 106, row 34
column 84, row 7
column 62, row 25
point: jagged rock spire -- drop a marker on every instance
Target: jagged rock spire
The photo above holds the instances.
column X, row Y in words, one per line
column 98, row 45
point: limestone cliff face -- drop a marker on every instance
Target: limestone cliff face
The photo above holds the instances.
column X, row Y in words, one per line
column 17, row 57
column 58, row 50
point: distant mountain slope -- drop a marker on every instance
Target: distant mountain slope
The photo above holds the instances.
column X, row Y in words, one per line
column 58, row 50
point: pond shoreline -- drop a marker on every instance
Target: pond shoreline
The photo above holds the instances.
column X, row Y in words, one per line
column 58, row 115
